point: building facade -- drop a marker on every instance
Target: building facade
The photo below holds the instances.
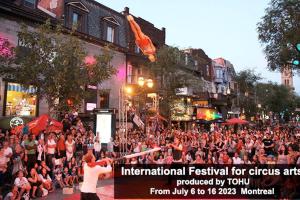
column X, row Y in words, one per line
column 97, row 26
column 287, row 77
column 224, row 87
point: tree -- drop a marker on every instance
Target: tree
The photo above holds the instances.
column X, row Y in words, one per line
column 279, row 31
column 172, row 74
column 246, row 81
column 276, row 98
column 56, row 63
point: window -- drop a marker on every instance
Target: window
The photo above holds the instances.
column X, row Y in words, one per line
column 110, row 34
column 207, row 70
column 77, row 15
column 29, row 3
column 77, row 21
column 186, row 59
column 219, row 73
column 196, row 63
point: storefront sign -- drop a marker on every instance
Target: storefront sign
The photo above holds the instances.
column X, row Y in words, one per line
column 11, row 121
column 208, row 114
column 16, row 121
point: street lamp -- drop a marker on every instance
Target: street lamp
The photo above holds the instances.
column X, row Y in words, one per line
column 141, row 81
column 150, row 83
column 128, row 90
column 228, row 91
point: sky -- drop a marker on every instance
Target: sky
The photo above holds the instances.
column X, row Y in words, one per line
column 222, row 28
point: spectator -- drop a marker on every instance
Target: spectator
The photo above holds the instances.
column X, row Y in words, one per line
column 46, row 180
column 61, row 146
column 70, row 147
column 30, row 150
column 13, row 194
column 23, row 185
column 51, row 146
column 35, row 182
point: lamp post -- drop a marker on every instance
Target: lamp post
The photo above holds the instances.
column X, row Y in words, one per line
column 124, row 92
column 142, row 82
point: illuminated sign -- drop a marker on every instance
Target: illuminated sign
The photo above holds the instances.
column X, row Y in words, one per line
column 208, row 114
column 104, row 126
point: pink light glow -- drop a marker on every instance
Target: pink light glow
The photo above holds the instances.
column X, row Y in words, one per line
column 121, row 75
column 90, row 60
column 5, row 48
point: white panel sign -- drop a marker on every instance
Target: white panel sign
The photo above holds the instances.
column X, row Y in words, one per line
column 103, row 126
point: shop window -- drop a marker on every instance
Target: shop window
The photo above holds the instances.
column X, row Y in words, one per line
column 20, row 101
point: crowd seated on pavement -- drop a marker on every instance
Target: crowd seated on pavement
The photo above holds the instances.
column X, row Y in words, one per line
column 33, row 166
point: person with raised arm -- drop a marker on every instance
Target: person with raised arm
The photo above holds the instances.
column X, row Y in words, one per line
column 92, row 170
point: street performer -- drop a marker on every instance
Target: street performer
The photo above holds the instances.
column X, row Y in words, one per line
column 142, row 40
column 92, row 170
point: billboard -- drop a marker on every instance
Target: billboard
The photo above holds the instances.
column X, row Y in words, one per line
column 104, row 126
column 208, row 114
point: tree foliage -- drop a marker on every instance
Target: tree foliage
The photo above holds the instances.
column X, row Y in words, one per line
column 276, row 98
column 54, row 62
column 246, row 81
column 172, row 74
column 279, row 31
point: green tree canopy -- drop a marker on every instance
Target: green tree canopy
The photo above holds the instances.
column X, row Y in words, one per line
column 246, row 81
column 55, row 63
column 276, row 98
column 279, row 32
column 172, row 74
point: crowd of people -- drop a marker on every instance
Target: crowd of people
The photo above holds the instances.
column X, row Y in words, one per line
column 34, row 165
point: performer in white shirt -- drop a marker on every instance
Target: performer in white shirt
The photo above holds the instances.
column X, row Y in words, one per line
column 92, row 170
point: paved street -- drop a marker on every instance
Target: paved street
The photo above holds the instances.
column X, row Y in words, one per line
column 58, row 194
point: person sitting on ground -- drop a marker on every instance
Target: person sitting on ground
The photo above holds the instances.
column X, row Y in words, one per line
column 46, row 180
column 67, row 177
column 13, row 194
column 35, row 182
column 22, row 183
column 58, row 176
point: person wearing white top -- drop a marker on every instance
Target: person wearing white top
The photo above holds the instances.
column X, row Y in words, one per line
column 92, row 170
column 51, row 146
column 237, row 160
column 70, row 147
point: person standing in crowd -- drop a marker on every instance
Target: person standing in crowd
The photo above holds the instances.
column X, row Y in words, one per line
column 17, row 159
column 3, row 166
column 41, row 148
column 268, row 144
column 61, row 146
column 51, row 146
column 177, row 150
column 70, row 147
column 97, row 145
column 66, row 123
column 30, row 151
